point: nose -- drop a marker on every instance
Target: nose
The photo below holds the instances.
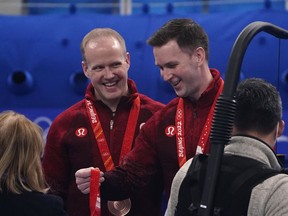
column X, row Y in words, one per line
column 165, row 74
column 108, row 73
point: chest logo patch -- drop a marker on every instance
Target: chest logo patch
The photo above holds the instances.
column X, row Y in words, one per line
column 81, row 132
column 170, row 131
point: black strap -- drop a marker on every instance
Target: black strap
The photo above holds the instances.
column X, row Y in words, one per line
column 241, row 188
column 187, row 204
column 237, row 178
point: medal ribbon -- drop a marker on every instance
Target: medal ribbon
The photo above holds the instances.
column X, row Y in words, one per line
column 99, row 134
column 95, row 193
column 130, row 128
column 180, row 136
column 95, row 207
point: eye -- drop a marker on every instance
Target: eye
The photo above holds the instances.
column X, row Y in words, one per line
column 172, row 65
column 98, row 68
column 116, row 64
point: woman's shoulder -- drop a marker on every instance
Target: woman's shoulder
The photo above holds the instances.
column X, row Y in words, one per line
column 31, row 203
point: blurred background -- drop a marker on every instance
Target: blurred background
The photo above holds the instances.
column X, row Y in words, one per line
column 40, row 61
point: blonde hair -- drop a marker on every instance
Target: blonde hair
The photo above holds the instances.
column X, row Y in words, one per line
column 21, row 146
column 100, row 33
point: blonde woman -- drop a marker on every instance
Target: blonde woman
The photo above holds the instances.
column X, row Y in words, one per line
column 22, row 185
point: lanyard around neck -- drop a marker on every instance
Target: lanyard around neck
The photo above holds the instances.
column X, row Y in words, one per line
column 100, row 137
column 180, row 135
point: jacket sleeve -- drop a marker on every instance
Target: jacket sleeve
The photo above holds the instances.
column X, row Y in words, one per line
column 137, row 168
column 55, row 159
column 270, row 197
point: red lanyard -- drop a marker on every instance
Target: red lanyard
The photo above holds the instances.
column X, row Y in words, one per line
column 180, row 136
column 99, row 134
column 95, row 208
column 95, row 205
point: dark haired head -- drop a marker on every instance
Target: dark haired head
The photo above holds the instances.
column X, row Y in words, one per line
column 259, row 106
column 186, row 32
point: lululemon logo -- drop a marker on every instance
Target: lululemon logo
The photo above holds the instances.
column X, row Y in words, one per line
column 81, row 132
column 170, row 131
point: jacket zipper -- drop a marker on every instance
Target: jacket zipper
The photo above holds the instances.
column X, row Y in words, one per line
column 112, row 121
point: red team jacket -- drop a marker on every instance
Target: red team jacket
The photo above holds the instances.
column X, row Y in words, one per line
column 159, row 146
column 65, row 152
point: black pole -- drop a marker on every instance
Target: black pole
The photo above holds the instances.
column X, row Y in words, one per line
column 225, row 109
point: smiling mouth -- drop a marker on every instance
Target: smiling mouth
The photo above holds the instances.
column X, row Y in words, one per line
column 174, row 84
column 110, row 84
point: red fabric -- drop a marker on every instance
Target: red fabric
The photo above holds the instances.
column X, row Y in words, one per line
column 65, row 152
column 94, row 192
column 160, row 150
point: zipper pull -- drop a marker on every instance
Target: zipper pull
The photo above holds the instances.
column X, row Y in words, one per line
column 112, row 121
column 111, row 124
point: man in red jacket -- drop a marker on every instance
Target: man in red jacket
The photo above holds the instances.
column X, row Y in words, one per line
column 181, row 129
column 100, row 130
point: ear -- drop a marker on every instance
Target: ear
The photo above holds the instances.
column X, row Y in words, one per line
column 200, row 55
column 85, row 69
column 281, row 126
column 127, row 58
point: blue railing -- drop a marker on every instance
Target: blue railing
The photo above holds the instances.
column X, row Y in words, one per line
column 127, row 7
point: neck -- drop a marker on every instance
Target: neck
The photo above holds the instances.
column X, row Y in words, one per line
column 206, row 79
column 112, row 104
column 269, row 138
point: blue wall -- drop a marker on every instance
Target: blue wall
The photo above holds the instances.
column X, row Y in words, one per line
column 45, row 48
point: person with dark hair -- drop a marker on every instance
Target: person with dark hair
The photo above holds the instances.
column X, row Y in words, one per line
column 22, row 184
column 100, row 129
column 179, row 130
column 250, row 179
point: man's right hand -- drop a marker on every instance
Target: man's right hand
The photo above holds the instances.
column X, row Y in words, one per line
column 82, row 177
